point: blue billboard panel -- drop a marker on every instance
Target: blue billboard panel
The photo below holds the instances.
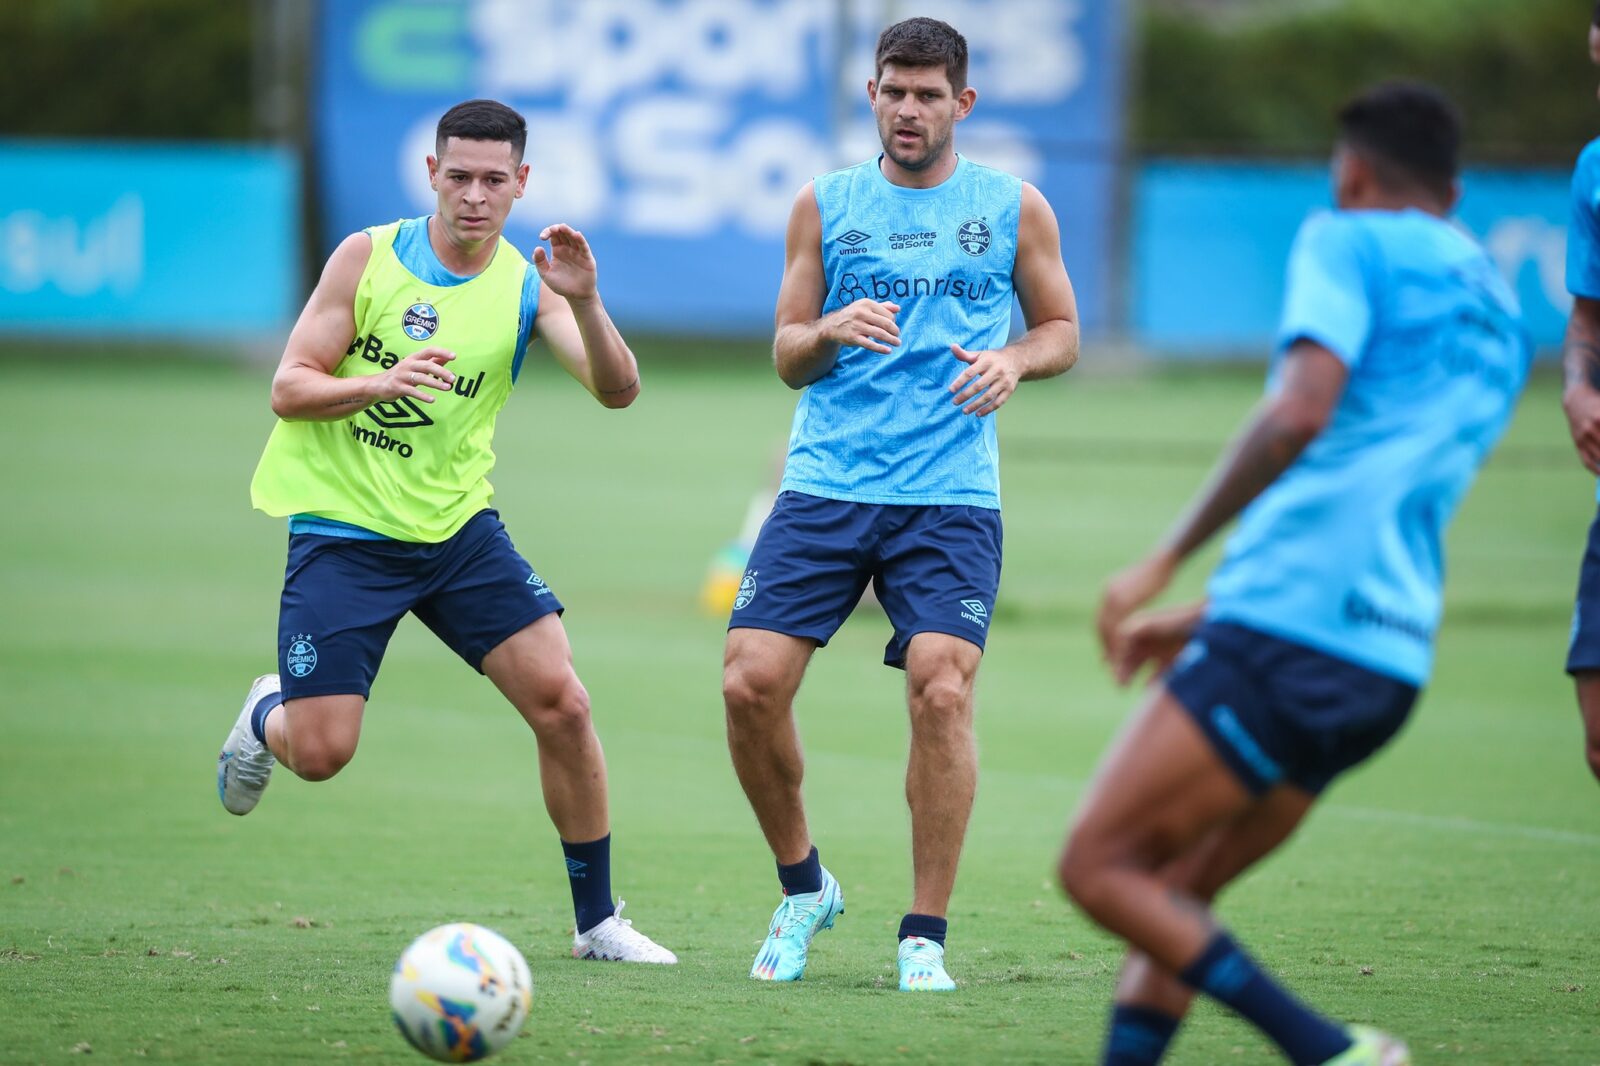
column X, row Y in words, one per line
column 105, row 238
column 675, row 133
column 1211, row 240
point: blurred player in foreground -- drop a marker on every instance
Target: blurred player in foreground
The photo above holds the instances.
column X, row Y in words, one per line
column 1580, row 357
column 1400, row 357
column 388, row 391
column 893, row 315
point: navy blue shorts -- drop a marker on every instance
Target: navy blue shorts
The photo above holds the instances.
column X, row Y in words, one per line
column 1277, row 711
column 1583, row 652
column 342, row 599
column 935, row 569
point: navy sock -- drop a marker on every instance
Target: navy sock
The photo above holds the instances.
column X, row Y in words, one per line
column 803, row 876
column 1138, row 1036
column 589, row 873
column 926, row 926
column 258, row 717
column 1224, row 972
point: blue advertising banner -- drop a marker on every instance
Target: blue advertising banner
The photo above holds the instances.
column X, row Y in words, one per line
column 147, row 240
column 1211, row 240
column 675, row 133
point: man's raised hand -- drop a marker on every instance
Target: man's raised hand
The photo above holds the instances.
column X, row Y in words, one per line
column 866, row 324
column 568, row 267
column 419, row 370
column 988, row 381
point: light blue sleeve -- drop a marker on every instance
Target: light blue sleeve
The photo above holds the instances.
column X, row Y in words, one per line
column 1326, row 297
column 1583, row 226
column 525, row 317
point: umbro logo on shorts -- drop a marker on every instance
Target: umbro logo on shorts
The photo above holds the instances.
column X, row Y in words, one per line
column 974, row 611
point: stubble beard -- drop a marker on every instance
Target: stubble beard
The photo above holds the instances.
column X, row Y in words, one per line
column 919, row 162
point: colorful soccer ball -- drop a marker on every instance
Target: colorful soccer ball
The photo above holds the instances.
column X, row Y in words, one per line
column 460, row 992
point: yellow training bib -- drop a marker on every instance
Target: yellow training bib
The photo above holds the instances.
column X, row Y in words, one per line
column 409, row 470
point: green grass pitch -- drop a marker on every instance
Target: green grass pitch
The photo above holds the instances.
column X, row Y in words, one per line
column 1447, row 891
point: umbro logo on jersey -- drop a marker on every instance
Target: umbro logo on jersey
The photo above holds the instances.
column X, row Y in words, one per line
column 401, row 412
column 853, row 238
column 975, row 612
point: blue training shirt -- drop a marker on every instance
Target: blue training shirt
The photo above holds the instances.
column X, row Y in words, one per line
column 1344, row 552
column 416, row 254
column 882, row 428
column 1583, row 230
column 1583, row 225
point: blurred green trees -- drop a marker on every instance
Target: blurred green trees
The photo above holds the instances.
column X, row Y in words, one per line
column 169, row 69
column 1269, row 77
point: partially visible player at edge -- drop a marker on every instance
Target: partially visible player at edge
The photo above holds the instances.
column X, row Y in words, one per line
column 1400, row 358
column 1580, row 399
column 388, row 391
column 893, row 315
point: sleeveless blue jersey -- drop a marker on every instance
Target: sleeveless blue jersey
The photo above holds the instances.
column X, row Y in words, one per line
column 1583, row 228
column 1345, row 550
column 881, row 428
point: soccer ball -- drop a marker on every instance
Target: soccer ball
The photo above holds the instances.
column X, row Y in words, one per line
column 460, row 992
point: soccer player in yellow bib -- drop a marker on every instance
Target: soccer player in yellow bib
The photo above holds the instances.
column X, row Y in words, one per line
column 387, row 394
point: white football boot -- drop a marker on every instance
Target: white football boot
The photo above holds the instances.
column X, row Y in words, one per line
column 921, row 965
column 616, row 940
column 245, row 764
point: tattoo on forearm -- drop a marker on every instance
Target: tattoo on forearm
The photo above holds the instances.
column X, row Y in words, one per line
column 353, row 401
column 1265, row 452
column 1582, row 360
column 625, row 388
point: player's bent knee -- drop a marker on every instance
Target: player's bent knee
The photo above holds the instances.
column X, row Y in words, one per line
column 1593, row 752
column 748, row 691
column 1080, row 873
column 942, row 699
column 320, row 762
column 565, row 712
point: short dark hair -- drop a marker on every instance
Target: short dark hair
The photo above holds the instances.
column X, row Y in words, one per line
column 482, row 120
column 1409, row 131
column 1594, row 20
column 924, row 42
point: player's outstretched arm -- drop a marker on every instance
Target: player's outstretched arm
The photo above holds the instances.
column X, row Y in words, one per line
column 1049, row 307
column 805, row 342
column 574, row 323
column 1312, row 381
column 1580, row 361
column 304, row 387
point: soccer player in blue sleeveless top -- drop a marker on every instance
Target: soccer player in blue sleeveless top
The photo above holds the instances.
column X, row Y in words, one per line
column 893, row 316
column 1400, row 357
column 1581, row 400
